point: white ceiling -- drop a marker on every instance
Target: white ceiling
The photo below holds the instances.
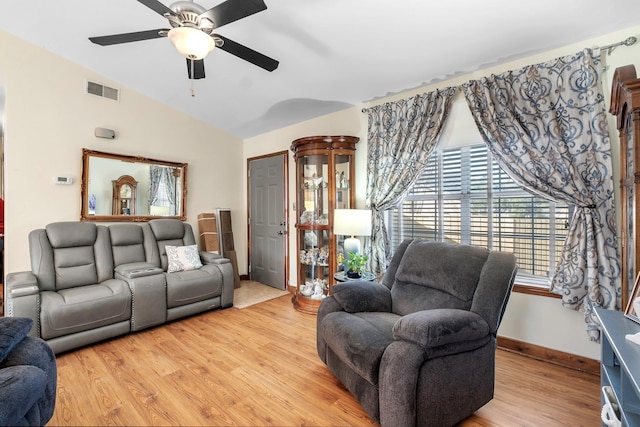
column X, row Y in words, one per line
column 333, row 53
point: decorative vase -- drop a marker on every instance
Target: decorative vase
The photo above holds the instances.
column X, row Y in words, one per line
column 353, row 274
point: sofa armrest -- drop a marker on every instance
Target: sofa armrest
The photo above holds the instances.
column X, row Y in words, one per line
column 212, row 258
column 439, row 327
column 21, row 284
column 223, row 265
column 226, row 269
column 359, row 296
column 23, row 298
column 436, row 354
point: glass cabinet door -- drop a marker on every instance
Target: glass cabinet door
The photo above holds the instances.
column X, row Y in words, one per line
column 343, row 166
column 343, row 181
column 629, row 188
column 314, row 264
column 313, row 197
column 313, row 226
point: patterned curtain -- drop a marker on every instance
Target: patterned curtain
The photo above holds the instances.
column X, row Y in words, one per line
column 155, row 177
column 171, row 189
column 546, row 125
column 159, row 194
column 401, row 137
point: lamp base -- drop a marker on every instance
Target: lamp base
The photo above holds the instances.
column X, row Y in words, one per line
column 351, row 244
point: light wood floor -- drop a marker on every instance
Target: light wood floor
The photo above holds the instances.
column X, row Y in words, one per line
column 258, row 367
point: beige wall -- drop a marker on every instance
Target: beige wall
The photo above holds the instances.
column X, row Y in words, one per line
column 538, row 320
column 49, row 119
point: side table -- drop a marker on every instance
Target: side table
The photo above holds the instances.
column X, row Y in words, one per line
column 341, row 276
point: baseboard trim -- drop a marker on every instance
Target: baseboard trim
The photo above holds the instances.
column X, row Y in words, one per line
column 544, row 354
column 244, row 277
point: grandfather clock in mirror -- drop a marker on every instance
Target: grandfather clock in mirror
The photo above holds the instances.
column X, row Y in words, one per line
column 625, row 105
column 325, row 177
column 124, row 195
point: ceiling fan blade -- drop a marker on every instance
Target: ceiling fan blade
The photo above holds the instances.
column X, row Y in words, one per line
column 129, row 37
column 232, row 10
column 197, row 67
column 156, row 6
column 247, row 54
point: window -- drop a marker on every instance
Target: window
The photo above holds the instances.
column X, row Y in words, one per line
column 463, row 196
column 162, row 205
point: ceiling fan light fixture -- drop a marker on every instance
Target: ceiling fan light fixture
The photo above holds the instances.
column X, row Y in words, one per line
column 191, row 42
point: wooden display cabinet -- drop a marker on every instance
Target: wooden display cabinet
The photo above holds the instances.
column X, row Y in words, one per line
column 325, row 178
column 625, row 105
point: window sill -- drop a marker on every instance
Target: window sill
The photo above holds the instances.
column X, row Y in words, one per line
column 534, row 290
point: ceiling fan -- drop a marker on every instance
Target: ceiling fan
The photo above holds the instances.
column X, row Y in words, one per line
column 192, row 33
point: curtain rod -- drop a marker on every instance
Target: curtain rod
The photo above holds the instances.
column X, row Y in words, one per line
column 629, row 41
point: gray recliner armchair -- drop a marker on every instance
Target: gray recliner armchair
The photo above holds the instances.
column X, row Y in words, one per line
column 70, row 292
column 418, row 349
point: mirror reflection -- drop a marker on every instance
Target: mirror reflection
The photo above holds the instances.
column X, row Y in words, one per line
column 129, row 188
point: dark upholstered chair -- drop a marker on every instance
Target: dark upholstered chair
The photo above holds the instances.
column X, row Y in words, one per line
column 28, row 375
column 418, row 349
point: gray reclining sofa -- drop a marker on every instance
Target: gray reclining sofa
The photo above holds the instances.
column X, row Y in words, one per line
column 93, row 282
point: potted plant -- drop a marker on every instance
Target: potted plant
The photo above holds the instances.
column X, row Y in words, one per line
column 355, row 264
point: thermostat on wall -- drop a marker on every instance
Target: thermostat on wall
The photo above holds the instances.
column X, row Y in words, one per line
column 64, row 180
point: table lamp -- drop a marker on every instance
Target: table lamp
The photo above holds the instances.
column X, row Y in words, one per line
column 352, row 222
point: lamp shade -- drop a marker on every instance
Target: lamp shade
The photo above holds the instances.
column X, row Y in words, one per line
column 191, row 42
column 352, row 222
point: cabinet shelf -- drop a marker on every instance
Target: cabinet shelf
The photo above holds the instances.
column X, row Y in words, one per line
column 325, row 172
column 311, row 227
column 620, row 367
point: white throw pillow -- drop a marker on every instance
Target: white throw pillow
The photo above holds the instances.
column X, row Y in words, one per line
column 183, row 258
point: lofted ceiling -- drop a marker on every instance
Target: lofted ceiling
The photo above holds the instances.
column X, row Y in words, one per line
column 333, row 53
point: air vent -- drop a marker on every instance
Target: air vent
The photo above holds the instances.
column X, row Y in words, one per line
column 103, row 91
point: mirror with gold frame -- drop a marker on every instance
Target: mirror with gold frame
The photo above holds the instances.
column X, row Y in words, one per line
column 159, row 188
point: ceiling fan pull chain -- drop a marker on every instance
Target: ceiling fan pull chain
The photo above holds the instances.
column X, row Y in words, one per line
column 193, row 92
